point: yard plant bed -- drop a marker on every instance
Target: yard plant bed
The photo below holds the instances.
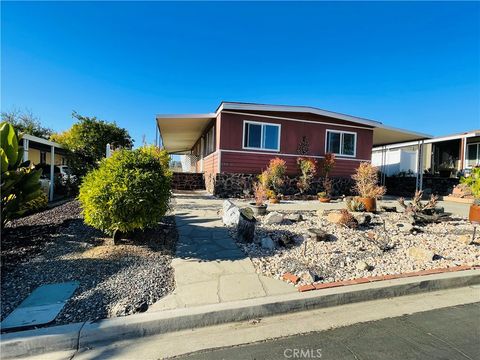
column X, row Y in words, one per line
column 55, row 246
column 308, row 245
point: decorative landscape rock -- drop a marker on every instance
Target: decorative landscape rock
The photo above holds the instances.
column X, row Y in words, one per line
column 388, row 208
column 466, row 239
column 267, row 243
column 308, row 277
column 421, row 254
column 295, row 217
column 405, row 227
column 318, row 234
column 362, row 266
column 231, row 213
column 386, row 252
column 273, row 218
column 334, row 217
column 363, row 219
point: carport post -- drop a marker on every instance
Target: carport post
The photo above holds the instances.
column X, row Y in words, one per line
column 25, row 149
column 52, row 168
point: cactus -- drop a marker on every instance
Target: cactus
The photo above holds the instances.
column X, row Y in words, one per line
column 19, row 183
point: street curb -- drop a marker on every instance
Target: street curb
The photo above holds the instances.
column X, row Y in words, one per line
column 88, row 335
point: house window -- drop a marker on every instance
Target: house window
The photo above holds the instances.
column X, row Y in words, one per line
column 209, row 141
column 473, row 154
column 261, row 136
column 341, row 142
column 43, row 157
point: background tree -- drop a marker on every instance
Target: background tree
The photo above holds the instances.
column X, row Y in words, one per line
column 27, row 123
column 87, row 140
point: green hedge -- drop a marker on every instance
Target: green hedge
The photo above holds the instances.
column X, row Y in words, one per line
column 130, row 190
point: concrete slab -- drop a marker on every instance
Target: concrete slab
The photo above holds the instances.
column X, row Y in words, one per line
column 199, row 293
column 240, row 286
column 41, row 307
column 275, row 287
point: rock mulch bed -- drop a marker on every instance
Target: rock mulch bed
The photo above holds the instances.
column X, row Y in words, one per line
column 56, row 246
column 317, row 250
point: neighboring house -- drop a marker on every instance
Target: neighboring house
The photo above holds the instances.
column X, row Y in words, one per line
column 445, row 156
column 241, row 138
column 42, row 151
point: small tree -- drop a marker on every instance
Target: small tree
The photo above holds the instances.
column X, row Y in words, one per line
column 308, row 168
column 327, row 165
column 273, row 176
column 130, row 190
column 87, row 140
column 27, row 123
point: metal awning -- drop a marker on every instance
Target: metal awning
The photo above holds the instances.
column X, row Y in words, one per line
column 179, row 133
column 383, row 135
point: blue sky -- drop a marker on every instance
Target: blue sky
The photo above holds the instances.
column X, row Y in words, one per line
column 414, row 65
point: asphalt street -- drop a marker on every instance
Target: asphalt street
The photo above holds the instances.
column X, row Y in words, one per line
column 448, row 333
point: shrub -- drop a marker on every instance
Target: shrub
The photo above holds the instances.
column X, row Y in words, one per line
column 473, row 182
column 327, row 164
column 366, row 181
column 308, row 168
column 38, row 204
column 130, row 190
column 273, row 176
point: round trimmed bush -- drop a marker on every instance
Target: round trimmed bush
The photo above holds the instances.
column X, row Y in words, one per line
column 130, row 190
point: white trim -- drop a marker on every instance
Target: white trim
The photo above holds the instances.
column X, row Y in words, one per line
column 40, row 140
column 477, row 144
column 262, row 125
column 341, row 132
column 294, row 155
column 301, row 109
column 298, row 120
column 186, row 116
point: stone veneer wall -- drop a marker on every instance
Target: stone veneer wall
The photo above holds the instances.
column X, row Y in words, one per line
column 188, row 181
column 405, row 186
column 240, row 185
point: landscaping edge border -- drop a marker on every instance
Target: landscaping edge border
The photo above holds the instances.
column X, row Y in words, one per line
column 87, row 335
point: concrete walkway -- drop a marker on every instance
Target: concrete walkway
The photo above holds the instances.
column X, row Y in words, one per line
column 209, row 267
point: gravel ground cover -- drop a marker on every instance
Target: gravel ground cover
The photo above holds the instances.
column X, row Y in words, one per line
column 56, row 246
column 355, row 253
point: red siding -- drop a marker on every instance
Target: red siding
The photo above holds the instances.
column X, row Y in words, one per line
column 248, row 161
column 254, row 163
column 231, row 133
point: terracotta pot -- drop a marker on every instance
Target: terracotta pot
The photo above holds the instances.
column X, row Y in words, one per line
column 474, row 214
column 274, row 201
column 324, row 200
column 369, row 203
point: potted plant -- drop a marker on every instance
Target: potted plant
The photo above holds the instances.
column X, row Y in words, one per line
column 272, row 197
column 366, row 185
column 259, row 207
column 323, row 197
column 473, row 182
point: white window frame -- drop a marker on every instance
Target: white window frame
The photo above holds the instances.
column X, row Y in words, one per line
column 341, row 132
column 477, row 144
column 263, row 124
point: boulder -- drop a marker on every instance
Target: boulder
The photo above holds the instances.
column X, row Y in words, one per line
column 362, row 266
column 267, row 243
column 273, row 218
column 318, row 234
column 363, row 219
column 421, row 254
column 405, row 227
column 465, row 239
column 334, row 217
column 295, row 217
column 232, row 216
column 286, row 240
column 308, row 277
